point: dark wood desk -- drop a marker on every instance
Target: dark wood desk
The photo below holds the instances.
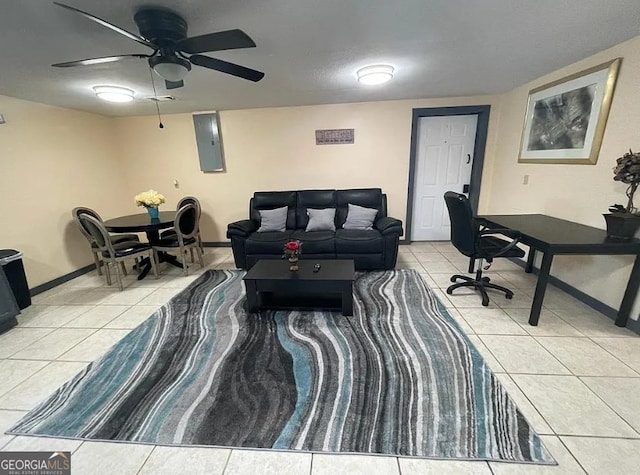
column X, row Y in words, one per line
column 270, row 284
column 557, row 236
column 143, row 223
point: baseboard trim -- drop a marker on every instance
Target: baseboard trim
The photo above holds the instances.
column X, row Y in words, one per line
column 603, row 308
column 216, row 244
column 61, row 280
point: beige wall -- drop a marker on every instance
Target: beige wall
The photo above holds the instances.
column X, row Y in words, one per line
column 274, row 149
column 52, row 160
column 576, row 192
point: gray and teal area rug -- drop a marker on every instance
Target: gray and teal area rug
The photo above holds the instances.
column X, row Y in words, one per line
column 398, row 378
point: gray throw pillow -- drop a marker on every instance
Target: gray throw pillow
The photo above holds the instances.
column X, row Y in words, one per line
column 359, row 217
column 321, row 219
column 273, row 219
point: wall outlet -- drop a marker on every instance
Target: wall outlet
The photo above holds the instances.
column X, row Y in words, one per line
column 525, row 180
column 176, row 184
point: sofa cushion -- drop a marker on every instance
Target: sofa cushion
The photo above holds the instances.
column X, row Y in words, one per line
column 272, row 200
column 359, row 217
column 273, row 220
column 316, row 242
column 366, row 197
column 267, row 243
column 358, row 241
column 316, row 199
column 321, row 219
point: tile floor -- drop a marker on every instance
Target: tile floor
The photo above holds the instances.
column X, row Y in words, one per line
column 575, row 376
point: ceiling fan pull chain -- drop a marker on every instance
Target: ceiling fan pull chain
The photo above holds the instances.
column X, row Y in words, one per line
column 155, row 95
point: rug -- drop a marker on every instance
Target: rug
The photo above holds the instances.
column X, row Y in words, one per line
column 397, row 378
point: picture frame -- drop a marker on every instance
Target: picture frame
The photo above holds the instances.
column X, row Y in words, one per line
column 565, row 119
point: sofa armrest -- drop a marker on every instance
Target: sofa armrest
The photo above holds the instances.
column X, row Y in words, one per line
column 241, row 228
column 387, row 225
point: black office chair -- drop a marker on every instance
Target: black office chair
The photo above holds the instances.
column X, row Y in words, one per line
column 477, row 243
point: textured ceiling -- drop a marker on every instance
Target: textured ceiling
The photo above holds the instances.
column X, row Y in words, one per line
column 310, row 49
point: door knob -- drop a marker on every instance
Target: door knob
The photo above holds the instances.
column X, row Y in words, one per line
column 465, row 188
column 468, row 158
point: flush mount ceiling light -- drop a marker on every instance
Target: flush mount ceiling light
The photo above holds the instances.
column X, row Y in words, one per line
column 376, row 74
column 113, row 93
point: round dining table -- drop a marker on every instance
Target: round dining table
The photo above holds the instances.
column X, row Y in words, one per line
column 143, row 223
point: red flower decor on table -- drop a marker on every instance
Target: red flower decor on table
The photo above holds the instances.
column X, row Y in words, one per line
column 292, row 250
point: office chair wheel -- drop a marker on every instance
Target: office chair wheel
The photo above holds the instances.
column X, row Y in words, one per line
column 486, row 279
column 449, row 289
column 509, row 295
column 452, row 278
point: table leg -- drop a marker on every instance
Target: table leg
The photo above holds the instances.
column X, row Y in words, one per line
column 472, row 265
column 531, row 257
column 347, row 301
column 541, row 287
column 629, row 294
column 154, row 237
column 252, row 295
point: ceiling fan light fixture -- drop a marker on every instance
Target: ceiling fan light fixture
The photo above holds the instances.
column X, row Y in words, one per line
column 172, row 69
column 375, row 75
column 114, row 93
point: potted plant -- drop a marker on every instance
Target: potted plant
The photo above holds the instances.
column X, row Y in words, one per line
column 150, row 199
column 623, row 222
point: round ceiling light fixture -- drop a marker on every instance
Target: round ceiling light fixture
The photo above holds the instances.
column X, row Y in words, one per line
column 171, row 68
column 114, row 93
column 375, row 75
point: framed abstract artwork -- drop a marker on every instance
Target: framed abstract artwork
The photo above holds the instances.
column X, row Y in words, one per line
column 565, row 119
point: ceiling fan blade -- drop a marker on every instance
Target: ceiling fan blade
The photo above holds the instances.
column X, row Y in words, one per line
column 173, row 84
column 230, row 39
column 106, row 24
column 225, row 67
column 104, row 59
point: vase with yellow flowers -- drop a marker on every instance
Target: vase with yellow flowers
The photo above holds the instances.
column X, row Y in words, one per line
column 150, row 199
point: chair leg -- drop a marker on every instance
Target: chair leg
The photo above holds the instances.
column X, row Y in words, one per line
column 184, row 261
column 154, row 264
column 200, row 256
column 123, row 267
column 107, row 272
column 200, row 245
column 97, row 262
column 118, row 276
column 193, row 260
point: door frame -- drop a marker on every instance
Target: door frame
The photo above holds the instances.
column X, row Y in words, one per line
column 482, row 130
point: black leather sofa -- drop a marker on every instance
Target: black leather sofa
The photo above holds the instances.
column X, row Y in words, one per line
column 373, row 249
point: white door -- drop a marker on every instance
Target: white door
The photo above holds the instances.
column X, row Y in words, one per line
column 443, row 163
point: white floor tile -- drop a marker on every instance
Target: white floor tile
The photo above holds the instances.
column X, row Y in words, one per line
column 331, row 464
column 40, row 385
column 186, row 460
column 53, row 345
column 18, row 338
column 42, row 444
column 263, row 462
column 133, row 317
column 13, row 372
column 584, row 358
column 548, row 325
column 570, row 408
column 440, row 267
column 590, row 322
column 100, row 458
column 94, row 346
column 491, row 321
column 56, row 317
column 160, row 296
column 412, row 466
column 522, row 354
column 488, row 357
column 129, row 296
column 605, row 456
column 567, row 465
column 7, row 421
column 620, row 394
column 625, row 349
column 469, row 298
column 97, row 317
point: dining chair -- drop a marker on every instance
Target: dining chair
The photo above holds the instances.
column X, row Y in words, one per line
column 185, row 237
column 114, row 238
column 172, row 232
column 471, row 241
column 115, row 253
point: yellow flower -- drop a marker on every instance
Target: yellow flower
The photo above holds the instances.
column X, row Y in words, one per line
column 150, row 198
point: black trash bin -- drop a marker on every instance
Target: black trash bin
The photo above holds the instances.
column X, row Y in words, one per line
column 11, row 262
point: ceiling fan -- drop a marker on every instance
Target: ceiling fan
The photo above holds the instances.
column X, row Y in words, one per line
column 165, row 32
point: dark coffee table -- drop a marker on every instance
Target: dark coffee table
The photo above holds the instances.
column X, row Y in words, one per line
column 271, row 285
